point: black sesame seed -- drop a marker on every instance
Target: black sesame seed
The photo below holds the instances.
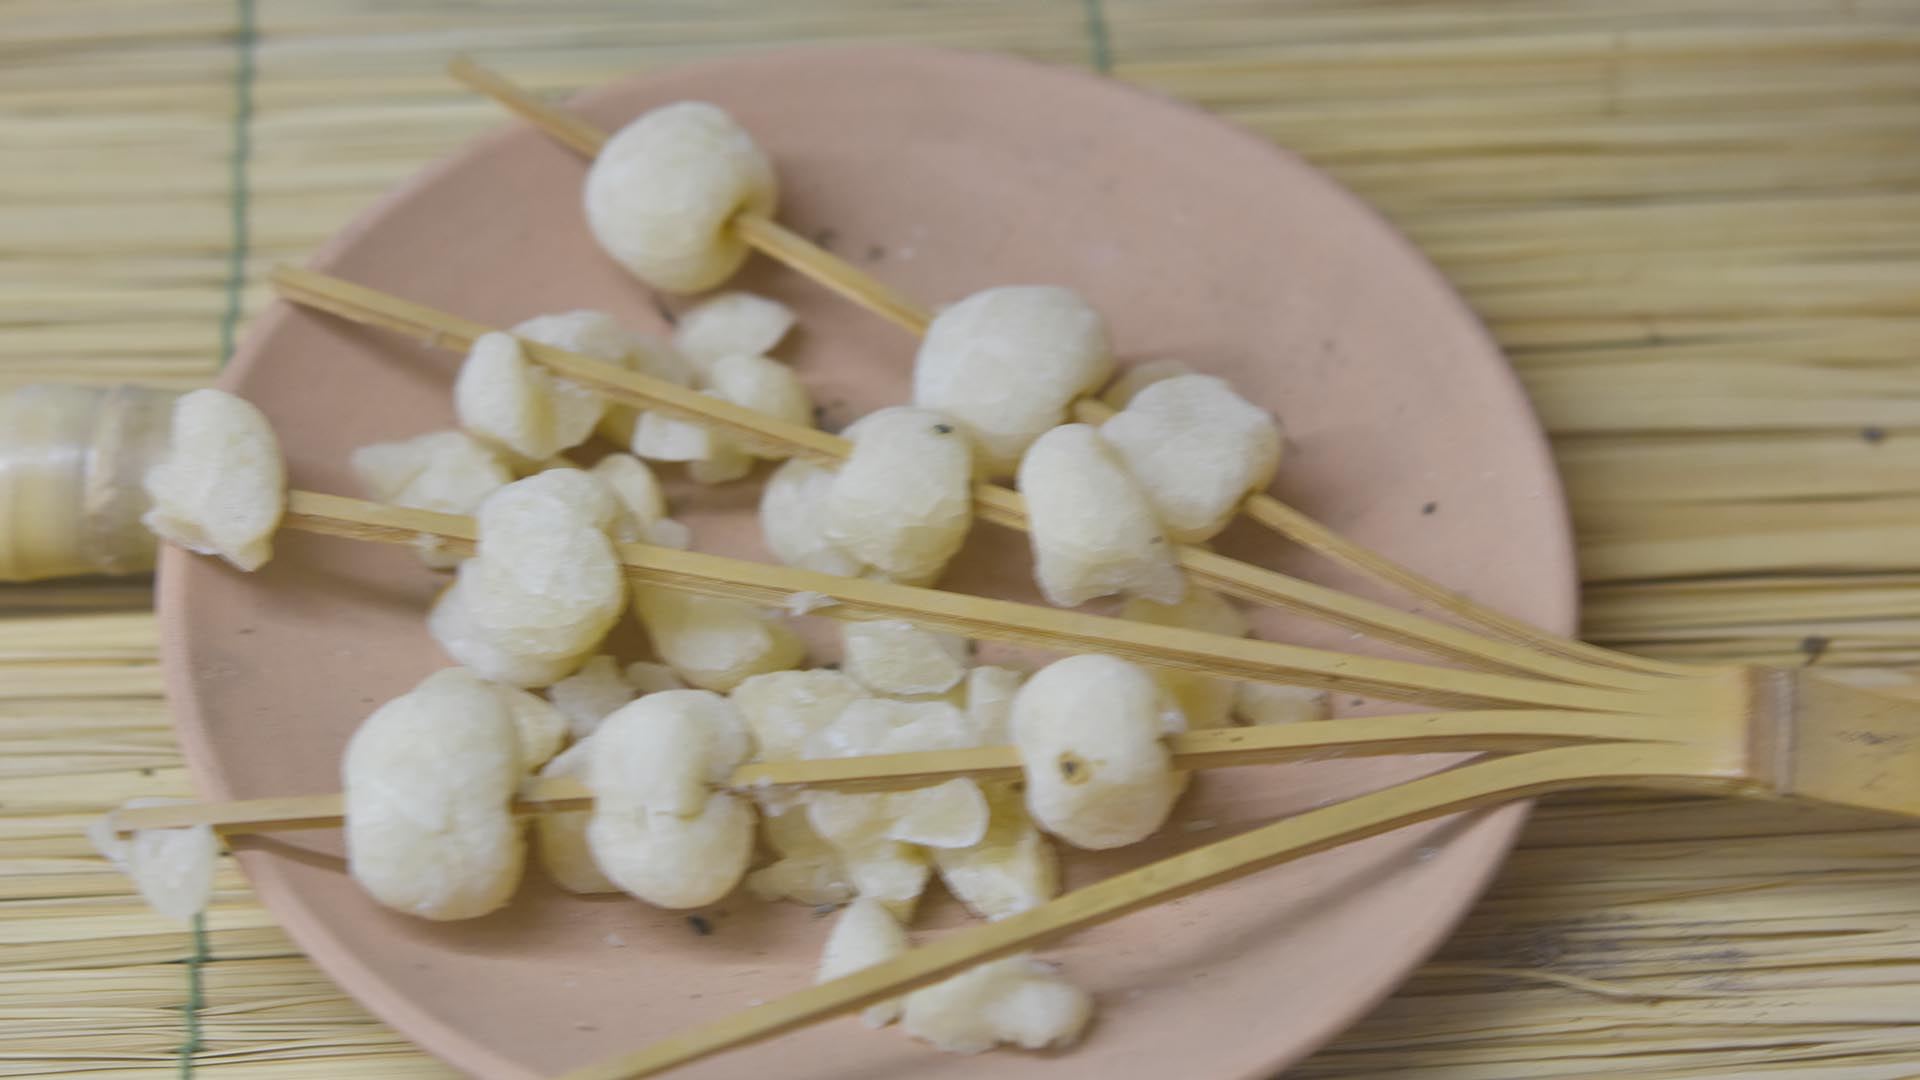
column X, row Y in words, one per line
column 943, row 429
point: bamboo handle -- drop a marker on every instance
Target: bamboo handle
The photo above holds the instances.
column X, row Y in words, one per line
column 1469, row 787
column 1415, row 733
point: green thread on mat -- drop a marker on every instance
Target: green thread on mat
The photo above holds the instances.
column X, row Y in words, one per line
column 238, row 240
column 1097, row 32
column 196, row 997
column 237, row 179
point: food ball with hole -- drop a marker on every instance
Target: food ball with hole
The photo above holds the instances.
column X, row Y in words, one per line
column 222, row 486
column 1197, row 449
column 1088, row 729
column 1093, row 531
column 429, row 779
column 662, row 195
column 1006, row 363
column 903, row 501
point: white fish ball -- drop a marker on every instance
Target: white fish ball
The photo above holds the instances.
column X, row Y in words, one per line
column 903, row 501
column 663, row 192
column 1005, row 364
column 1088, row 729
column 1197, row 449
column 429, row 779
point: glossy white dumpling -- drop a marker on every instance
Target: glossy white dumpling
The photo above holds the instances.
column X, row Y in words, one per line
column 663, row 192
column 1088, row 729
column 1005, row 364
column 222, row 486
column 428, row 781
column 1093, row 531
column 512, row 402
column 731, row 324
column 1197, row 449
column 903, row 501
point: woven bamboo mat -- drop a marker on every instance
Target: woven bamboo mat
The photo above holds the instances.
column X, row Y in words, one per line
column 1694, row 226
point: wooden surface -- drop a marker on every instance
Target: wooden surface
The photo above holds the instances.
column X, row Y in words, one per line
column 1694, row 226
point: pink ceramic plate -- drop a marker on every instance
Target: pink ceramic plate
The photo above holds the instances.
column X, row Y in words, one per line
column 944, row 173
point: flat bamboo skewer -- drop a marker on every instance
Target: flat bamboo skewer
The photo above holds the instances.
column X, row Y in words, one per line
column 1501, row 731
column 1043, row 627
column 836, row 274
column 1687, row 767
column 993, row 503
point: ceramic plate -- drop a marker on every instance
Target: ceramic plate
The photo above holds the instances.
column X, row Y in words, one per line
column 943, row 173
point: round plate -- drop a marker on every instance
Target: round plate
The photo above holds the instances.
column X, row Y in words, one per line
column 944, row 173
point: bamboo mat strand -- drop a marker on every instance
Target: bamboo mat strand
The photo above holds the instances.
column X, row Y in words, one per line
column 1694, row 226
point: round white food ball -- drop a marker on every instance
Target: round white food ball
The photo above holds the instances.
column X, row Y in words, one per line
column 1197, row 449
column 429, row 779
column 1093, row 530
column 448, row 472
column 544, row 582
column 903, row 501
column 663, row 192
column 793, row 512
column 510, row 401
column 172, row 868
column 786, row 708
column 1088, row 730
column 658, row 830
column 1006, row 363
column 222, row 486
column 591, row 694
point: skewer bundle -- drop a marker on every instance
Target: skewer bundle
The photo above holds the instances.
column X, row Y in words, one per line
column 909, row 750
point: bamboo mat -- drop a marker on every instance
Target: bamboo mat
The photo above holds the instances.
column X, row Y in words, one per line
column 1694, row 226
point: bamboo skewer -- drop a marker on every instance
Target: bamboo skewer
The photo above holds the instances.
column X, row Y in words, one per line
column 836, row 274
column 1468, row 787
column 1507, row 731
column 993, row 503
column 1043, row 627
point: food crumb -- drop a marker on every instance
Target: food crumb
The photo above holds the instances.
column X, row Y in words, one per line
column 1873, row 435
column 700, row 925
column 1200, row 825
column 1430, row 508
